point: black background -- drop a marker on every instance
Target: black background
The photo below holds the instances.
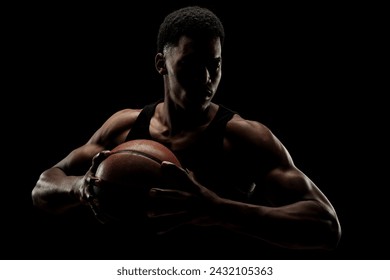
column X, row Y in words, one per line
column 310, row 72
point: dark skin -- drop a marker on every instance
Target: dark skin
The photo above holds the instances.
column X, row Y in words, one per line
column 191, row 70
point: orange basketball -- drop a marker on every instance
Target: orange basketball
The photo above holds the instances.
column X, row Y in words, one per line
column 127, row 175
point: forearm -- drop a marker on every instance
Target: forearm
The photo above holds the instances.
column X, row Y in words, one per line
column 302, row 225
column 56, row 192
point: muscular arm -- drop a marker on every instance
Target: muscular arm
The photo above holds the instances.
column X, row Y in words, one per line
column 298, row 215
column 286, row 208
column 60, row 187
column 308, row 222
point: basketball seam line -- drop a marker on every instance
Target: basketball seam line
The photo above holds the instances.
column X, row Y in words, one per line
column 139, row 153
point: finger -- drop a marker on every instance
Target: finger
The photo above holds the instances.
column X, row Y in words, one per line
column 169, row 194
column 169, row 167
column 170, row 201
column 98, row 158
column 91, row 180
column 175, row 176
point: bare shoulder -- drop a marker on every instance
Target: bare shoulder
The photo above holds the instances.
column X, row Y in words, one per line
column 112, row 132
column 245, row 136
column 115, row 129
column 124, row 117
column 249, row 132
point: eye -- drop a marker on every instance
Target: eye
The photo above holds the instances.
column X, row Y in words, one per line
column 215, row 64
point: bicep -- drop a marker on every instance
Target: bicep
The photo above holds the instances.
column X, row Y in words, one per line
column 286, row 185
column 278, row 181
column 276, row 175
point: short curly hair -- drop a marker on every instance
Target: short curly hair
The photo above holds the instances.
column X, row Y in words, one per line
column 191, row 21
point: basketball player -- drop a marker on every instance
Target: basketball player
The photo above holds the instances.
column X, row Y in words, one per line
column 239, row 186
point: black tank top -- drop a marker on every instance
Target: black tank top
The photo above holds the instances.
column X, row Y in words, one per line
column 205, row 157
column 140, row 129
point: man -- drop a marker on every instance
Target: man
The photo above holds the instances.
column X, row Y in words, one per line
column 238, row 179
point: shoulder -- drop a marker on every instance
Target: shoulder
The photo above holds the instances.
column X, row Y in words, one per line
column 252, row 137
column 247, row 131
column 114, row 130
column 122, row 117
column 109, row 135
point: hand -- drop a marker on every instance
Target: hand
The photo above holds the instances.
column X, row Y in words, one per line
column 186, row 202
column 90, row 181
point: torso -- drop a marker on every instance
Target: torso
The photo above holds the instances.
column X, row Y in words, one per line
column 221, row 159
column 205, row 151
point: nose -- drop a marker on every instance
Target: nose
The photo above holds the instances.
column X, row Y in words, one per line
column 204, row 76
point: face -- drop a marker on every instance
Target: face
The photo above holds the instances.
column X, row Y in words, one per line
column 193, row 72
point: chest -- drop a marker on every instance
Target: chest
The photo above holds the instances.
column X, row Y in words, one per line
column 216, row 166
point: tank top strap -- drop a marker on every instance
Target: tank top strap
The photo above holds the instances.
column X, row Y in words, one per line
column 140, row 129
column 222, row 117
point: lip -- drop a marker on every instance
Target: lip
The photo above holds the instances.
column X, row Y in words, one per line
column 209, row 93
column 206, row 94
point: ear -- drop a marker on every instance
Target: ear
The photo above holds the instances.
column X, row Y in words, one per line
column 159, row 62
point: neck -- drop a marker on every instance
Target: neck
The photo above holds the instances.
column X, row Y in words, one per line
column 177, row 119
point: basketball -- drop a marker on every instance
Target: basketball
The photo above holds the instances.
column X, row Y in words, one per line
column 126, row 176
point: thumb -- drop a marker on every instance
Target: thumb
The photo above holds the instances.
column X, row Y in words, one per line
column 98, row 158
column 173, row 174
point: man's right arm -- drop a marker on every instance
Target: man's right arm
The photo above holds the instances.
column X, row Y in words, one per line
column 65, row 185
column 55, row 190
